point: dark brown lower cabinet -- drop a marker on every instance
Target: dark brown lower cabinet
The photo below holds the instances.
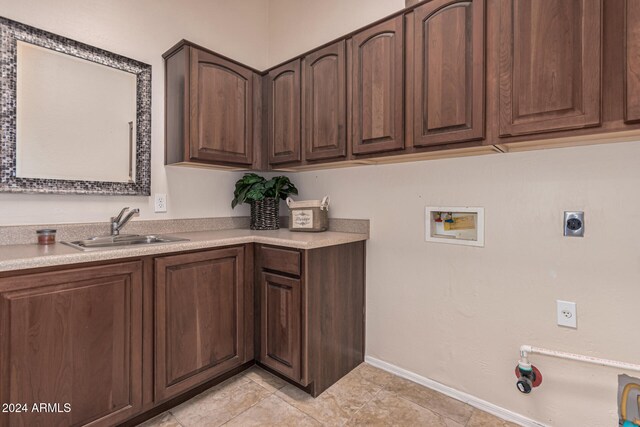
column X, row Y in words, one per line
column 71, row 340
column 312, row 323
column 200, row 306
column 282, row 332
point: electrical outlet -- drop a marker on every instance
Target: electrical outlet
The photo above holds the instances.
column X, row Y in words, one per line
column 160, row 202
column 574, row 224
column 567, row 314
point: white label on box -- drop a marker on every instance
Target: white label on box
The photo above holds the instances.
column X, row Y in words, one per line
column 302, row 218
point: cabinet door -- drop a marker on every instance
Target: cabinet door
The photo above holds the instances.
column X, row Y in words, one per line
column 199, row 318
column 324, row 100
column 632, row 61
column 284, row 113
column 549, row 65
column 282, row 320
column 72, row 338
column 221, row 110
column 448, row 60
column 377, row 88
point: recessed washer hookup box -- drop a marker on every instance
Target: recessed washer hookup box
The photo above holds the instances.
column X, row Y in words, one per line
column 455, row 225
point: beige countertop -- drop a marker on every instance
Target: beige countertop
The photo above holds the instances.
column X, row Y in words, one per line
column 20, row 257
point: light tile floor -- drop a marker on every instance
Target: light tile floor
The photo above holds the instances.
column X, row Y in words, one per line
column 367, row 396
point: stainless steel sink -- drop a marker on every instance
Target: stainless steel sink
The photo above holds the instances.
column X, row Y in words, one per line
column 122, row 240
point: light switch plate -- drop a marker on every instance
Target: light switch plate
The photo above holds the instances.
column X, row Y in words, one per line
column 567, row 314
column 160, row 202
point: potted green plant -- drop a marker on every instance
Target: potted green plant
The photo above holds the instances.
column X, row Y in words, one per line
column 264, row 197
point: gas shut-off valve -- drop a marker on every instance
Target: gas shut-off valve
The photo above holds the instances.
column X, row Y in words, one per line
column 528, row 375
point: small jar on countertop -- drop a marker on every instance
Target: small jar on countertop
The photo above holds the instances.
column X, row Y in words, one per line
column 46, row 236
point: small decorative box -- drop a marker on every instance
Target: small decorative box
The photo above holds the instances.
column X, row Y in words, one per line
column 308, row 215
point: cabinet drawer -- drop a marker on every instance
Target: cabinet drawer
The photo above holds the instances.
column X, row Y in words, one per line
column 283, row 260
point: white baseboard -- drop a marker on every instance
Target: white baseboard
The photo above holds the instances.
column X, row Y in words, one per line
column 483, row 405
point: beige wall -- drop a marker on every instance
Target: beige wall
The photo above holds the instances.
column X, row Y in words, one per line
column 458, row 314
column 144, row 30
column 296, row 26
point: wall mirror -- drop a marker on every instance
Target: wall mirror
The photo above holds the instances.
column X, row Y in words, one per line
column 75, row 118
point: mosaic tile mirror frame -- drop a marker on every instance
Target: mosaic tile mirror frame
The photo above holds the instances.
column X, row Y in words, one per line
column 11, row 33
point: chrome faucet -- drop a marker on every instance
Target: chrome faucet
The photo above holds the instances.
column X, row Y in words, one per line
column 118, row 222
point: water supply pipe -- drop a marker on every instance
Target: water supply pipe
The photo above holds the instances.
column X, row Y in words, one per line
column 525, row 350
column 529, row 376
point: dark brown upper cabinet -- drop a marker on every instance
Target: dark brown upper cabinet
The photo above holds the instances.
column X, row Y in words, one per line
column 72, row 337
column 212, row 108
column 283, row 109
column 324, row 101
column 221, row 99
column 550, row 54
column 457, row 75
column 449, row 72
column 632, row 62
column 200, row 311
column 377, row 85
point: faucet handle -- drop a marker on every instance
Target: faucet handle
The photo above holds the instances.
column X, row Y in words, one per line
column 119, row 217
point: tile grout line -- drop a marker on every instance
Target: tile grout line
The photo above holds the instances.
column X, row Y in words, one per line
column 175, row 417
column 426, row 409
column 272, row 393
column 298, row 409
column 168, row 411
column 374, row 395
column 304, row 412
column 431, row 409
column 366, row 403
column 210, row 390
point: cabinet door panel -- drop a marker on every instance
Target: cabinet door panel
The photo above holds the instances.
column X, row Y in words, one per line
column 199, row 318
column 221, row 110
column 284, row 113
column 377, row 89
column 324, row 92
column 632, row 61
column 73, row 337
column 449, row 77
column 549, row 65
column 282, row 325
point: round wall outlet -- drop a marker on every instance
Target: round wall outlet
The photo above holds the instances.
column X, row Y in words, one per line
column 574, row 224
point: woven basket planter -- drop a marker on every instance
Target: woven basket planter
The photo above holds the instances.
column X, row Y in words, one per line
column 264, row 214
